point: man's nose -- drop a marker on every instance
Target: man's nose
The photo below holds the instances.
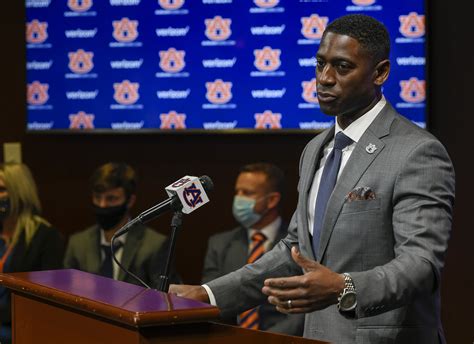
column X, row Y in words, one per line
column 326, row 76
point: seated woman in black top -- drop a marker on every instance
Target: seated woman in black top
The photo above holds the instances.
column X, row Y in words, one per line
column 27, row 241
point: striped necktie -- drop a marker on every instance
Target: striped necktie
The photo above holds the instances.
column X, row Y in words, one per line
column 250, row 319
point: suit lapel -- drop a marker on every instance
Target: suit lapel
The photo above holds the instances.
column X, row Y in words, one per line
column 360, row 159
column 310, row 165
column 93, row 255
column 132, row 243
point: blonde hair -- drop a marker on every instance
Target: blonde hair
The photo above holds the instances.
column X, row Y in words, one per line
column 25, row 205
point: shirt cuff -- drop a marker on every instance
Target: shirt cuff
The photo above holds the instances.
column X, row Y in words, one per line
column 212, row 299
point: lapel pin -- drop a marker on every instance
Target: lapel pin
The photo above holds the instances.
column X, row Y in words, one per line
column 370, row 148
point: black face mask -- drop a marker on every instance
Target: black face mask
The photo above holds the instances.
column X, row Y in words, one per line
column 4, row 208
column 109, row 217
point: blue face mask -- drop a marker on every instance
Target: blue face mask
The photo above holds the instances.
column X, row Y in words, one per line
column 243, row 211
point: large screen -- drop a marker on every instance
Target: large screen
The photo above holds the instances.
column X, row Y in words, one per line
column 200, row 65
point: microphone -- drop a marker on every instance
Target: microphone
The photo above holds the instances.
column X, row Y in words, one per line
column 186, row 194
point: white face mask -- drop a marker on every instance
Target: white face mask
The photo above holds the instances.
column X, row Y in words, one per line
column 244, row 212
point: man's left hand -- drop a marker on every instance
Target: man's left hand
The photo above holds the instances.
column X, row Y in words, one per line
column 318, row 288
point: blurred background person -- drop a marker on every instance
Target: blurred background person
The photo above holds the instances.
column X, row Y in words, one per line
column 27, row 241
column 258, row 193
column 142, row 250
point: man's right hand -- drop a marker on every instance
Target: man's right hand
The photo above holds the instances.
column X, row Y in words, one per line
column 194, row 292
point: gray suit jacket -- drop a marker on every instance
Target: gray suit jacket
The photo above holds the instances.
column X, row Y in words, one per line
column 393, row 245
column 227, row 252
column 144, row 254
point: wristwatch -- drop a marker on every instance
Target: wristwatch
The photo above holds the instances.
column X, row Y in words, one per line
column 347, row 300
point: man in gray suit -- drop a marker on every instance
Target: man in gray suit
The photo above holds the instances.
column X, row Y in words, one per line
column 142, row 250
column 373, row 248
column 258, row 192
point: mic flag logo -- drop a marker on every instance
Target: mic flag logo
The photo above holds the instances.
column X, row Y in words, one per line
column 81, row 120
column 192, row 195
column 80, row 62
column 413, row 90
column 79, row 5
column 218, row 91
column 267, row 120
column 218, row 28
column 172, row 60
column 363, row 2
column 126, row 92
column 412, row 25
column 266, row 3
column 125, row 30
column 172, row 120
column 267, row 59
column 37, row 93
column 309, row 91
column 36, row 31
column 313, row 27
column 171, row 4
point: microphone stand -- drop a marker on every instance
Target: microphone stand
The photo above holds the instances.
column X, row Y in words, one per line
column 176, row 222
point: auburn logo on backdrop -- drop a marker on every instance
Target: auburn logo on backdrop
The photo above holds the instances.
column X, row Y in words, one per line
column 266, row 3
column 81, row 120
column 313, row 27
column 412, row 25
column 126, row 92
column 172, row 60
column 36, row 31
column 37, row 93
column 309, row 91
column 218, row 91
column 79, row 5
column 171, row 4
column 218, row 28
column 125, row 30
column 413, row 90
column 267, row 59
column 172, row 120
column 363, row 2
column 267, row 120
column 80, row 62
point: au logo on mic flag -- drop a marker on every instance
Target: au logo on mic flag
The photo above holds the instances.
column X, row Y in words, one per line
column 190, row 192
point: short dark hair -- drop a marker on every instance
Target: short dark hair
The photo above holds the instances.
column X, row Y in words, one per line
column 275, row 175
column 369, row 32
column 114, row 175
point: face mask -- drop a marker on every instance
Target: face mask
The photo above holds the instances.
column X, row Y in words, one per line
column 109, row 217
column 243, row 211
column 4, row 208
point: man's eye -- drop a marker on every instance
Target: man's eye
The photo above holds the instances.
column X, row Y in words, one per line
column 319, row 64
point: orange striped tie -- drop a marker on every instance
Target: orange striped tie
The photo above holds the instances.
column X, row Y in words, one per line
column 250, row 319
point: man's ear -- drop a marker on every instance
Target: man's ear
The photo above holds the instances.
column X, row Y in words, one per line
column 131, row 201
column 273, row 200
column 382, row 70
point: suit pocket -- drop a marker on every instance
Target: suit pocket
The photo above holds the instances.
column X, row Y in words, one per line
column 360, row 206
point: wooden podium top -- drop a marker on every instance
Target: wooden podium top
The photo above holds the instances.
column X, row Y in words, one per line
column 115, row 300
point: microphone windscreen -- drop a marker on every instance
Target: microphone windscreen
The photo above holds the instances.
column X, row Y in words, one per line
column 207, row 183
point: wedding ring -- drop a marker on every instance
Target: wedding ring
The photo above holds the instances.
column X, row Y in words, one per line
column 288, row 303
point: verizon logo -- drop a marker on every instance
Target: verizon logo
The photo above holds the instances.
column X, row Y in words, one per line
column 219, row 63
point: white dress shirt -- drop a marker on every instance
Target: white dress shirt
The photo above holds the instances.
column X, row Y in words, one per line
column 354, row 131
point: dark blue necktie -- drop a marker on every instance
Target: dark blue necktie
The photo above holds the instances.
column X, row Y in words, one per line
column 107, row 269
column 326, row 185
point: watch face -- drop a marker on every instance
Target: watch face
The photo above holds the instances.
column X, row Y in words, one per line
column 348, row 301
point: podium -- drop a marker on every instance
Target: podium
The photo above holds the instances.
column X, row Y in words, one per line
column 75, row 307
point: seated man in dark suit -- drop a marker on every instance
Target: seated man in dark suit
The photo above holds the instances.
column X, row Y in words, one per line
column 142, row 250
column 258, row 191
